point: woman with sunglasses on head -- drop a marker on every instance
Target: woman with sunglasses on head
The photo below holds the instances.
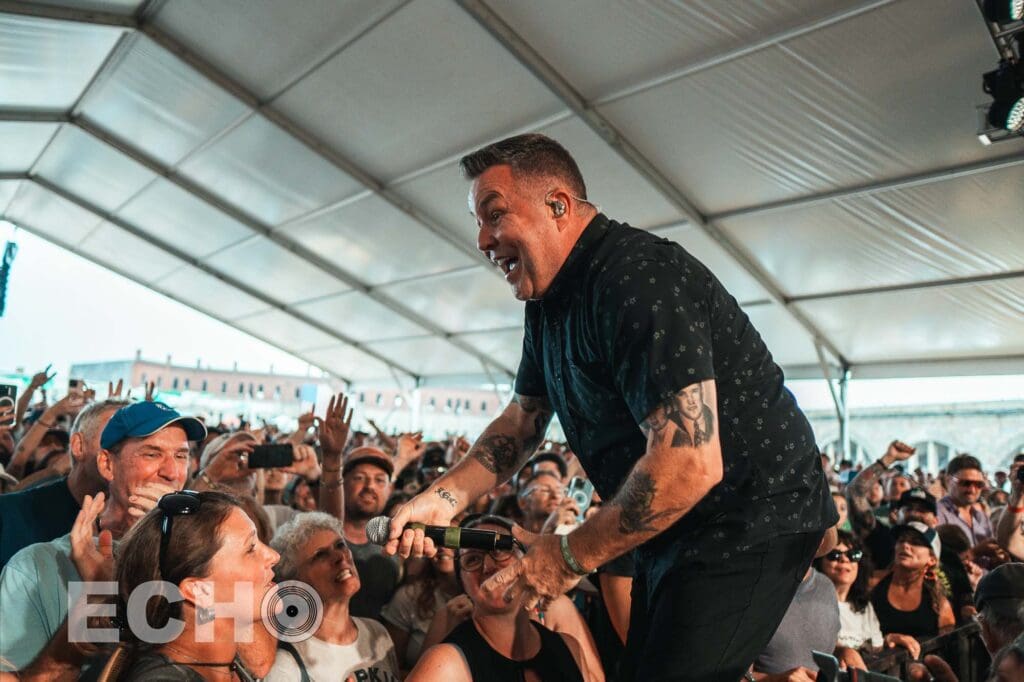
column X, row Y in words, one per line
column 910, row 600
column 499, row 641
column 205, row 546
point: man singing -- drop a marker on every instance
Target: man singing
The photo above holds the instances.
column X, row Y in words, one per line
column 673, row 404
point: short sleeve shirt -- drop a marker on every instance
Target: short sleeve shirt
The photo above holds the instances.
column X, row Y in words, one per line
column 37, row 514
column 630, row 320
column 371, row 658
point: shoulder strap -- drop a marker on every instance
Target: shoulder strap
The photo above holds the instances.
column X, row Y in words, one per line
column 290, row 648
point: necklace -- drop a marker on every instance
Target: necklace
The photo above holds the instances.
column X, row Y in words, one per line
column 191, row 661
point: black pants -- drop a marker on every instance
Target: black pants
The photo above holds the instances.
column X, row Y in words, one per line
column 708, row 620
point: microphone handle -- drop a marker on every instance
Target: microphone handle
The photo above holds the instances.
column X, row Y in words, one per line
column 454, row 537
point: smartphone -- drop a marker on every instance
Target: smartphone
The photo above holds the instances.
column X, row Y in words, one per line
column 271, row 456
column 581, row 490
column 8, row 397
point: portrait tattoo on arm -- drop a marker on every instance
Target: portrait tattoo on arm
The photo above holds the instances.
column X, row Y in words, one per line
column 686, row 418
column 445, row 495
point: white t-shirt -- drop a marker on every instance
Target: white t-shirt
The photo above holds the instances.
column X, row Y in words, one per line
column 858, row 629
column 370, row 657
column 401, row 612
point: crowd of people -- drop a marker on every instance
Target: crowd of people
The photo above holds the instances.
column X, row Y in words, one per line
column 131, row 493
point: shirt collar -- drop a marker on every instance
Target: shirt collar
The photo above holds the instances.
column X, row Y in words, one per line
column 579, row 257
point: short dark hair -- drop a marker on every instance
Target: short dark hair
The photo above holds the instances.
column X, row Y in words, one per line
column 550, row 456
column 531, row 154
column 961, row 462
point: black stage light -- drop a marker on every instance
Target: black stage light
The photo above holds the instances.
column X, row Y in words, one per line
column 1006, row 86
column 1004, row 11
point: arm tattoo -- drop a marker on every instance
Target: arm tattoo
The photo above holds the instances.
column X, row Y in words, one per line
column 447, row 497
column 686, row 417
column 498, row 452
column 634, row 501
column 539, row 409
column 862, row 516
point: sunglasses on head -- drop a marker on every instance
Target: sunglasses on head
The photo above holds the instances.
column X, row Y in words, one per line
column 854, row 555
column 171, row 505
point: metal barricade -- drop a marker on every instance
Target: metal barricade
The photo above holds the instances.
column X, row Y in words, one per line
column 961, row 648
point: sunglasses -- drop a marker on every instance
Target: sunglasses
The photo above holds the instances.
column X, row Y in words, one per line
column 180, row 503
column 970, row 484
column 854, row 555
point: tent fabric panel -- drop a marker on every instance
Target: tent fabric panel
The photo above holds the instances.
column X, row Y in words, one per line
column 209, row 294
column 349, row 362
column 789, row 343
column 21, row 144
column 426, row 355
column 960, row 227
column 285, row 331
column 112, row 6
column 954, row 321
column 111, row 245
column 92, row 170
column 465, row 301
column 50, row 214
column 740, row 283
column 820, row 112
column 376, row 242
column 505, row 347
column 391, row 125
column 45, row 65
column 160, row 104
column 266, row 45
column 8, row 188
column 267, row 173
column 280, row 274
column 360, row 317
column 172, row 215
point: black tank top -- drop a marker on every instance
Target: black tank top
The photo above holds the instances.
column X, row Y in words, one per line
column 553, row 663
column 921, row 622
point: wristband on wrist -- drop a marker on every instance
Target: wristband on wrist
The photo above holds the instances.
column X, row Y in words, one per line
column 1015, row 510
column 570, row 560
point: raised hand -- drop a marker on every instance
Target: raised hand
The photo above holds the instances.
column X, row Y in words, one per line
column 334, row 428
column 145, row 498
column 151, row 391
column 898, row 452
column 94, row 560
column 410, row 447
column 39, row 379
column 114, row 391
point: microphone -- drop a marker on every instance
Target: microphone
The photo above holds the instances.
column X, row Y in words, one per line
column 378, row 531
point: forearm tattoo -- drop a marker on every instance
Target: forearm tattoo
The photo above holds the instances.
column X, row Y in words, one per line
column 861, row 514
column 447, row 497
column 498, row 452
column 685, row 418
column 540, row 411
column 635, row 501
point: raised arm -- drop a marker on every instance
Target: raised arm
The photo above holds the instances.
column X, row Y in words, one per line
column 1010, row 531
column 862, row 516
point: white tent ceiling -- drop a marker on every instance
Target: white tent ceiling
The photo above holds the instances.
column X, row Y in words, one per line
column 290, row 168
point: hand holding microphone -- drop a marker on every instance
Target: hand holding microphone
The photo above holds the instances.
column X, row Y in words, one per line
column 405, row 534
column 378, row 531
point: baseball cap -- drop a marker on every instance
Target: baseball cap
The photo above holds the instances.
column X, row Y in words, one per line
column 918, row 496
column 1002, row 590
column 145, row 418
column 922, row 534
column 369, row 455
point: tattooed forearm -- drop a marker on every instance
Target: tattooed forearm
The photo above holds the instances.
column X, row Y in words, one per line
column 862, row 516
column 686, row 419
column 635, row 501
column 445, row 495
column 498, row 452
column 539, row 412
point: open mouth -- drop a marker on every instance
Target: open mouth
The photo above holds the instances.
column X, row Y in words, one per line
column 507, row 265
column 344, row 574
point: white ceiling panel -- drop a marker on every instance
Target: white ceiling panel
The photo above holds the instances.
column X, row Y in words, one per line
column 159, row 104
column 173, row 215
column 938, row 322
column 349, row 362
column 955, row 228
column 505, row 347
column 8, row 188
column 789, row 343
column 823, row 111
column 46, row 64
column 49, row 214
column 442, row 195
column 92, row 170
column 427, row 355
column 265, row 45
column 740, row 283
column 112, row 6
column 269, row 268
column 125, row 252
column 21, row 143
column 360, row 317
column 267, row 173
column 424, row 83
column 285, row 331
column 376, row 242
column 465, row 301
column 209, row 294
column 614, row 45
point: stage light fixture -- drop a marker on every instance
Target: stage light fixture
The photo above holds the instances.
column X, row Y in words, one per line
column 1006, row 86
column 1004, row 11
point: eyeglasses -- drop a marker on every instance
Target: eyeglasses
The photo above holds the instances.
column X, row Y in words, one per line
column 174, row 504
column 854, row 555
column 545, row 490
column 970, row 484
column 473, row 560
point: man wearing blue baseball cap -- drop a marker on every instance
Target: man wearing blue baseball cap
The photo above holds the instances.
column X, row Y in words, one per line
column 144, row 455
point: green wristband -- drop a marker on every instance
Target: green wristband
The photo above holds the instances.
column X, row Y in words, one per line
column 570, row 560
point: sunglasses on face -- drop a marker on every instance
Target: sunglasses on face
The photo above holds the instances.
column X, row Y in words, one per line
column 853, row 555
column 180, row 503
column 978, row 485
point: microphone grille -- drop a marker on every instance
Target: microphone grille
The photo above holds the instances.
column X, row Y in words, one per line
column 378, row 530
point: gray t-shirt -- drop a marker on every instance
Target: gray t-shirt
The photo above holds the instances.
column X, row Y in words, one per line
column 379, row 574
column 811, row 624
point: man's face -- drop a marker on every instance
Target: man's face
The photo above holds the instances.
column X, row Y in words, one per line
column 692, row 402
column 967, row 486
column 159, row 458
column 517, row 230
column 547, row 467
column 367, row 488
column 915, row 511
column 897, row 487
column 542, row 495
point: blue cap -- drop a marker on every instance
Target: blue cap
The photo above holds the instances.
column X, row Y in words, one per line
column 145, row 418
